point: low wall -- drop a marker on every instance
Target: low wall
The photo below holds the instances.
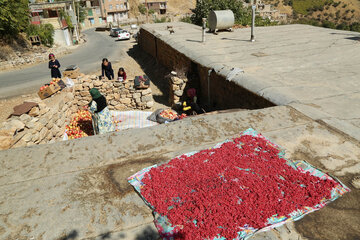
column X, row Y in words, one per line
column 41, row 125
column 119, row 95
column 215, row 91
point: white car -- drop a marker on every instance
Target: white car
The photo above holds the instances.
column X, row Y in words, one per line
column 123, row 35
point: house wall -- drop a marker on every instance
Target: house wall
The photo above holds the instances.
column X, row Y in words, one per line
column 115, row 10
column 62, row 37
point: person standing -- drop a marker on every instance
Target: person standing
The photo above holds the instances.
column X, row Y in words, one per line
column 54, row 65
column 106, row 69
column 122, row 75
column 102, row 114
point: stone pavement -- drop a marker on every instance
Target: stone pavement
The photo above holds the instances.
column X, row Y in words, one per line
column 315, row 70
column 78, row 189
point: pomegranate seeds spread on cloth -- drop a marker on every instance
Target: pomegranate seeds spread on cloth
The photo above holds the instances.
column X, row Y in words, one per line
column 232, row 190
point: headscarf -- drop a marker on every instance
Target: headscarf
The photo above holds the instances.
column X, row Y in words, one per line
column 99, row 99
column 94, row 92
column 51, row 55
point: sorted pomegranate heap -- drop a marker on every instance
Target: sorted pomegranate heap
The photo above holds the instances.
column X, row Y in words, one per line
column 80, row 125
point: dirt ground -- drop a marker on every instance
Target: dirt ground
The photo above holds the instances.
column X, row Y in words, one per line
column 136, row 63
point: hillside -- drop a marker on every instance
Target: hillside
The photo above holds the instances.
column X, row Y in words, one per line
column 332, row 12
column 175, row 7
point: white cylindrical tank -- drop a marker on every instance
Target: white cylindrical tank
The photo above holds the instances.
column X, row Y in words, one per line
column 220, row 20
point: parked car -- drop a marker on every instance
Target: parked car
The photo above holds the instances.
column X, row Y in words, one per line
column 123, row 35
column 114, row 32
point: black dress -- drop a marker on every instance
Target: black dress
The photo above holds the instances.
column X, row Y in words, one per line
column 55, row 72
column 107, row 70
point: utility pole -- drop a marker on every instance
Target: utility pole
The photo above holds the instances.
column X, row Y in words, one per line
column 147, row 12
column 76, row 25
column 253, row 7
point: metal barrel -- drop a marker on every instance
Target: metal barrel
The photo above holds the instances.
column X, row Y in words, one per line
column 220, row 20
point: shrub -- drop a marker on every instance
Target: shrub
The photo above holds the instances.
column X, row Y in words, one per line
column 328, row 24
column 355, row 27
column 343, row 26
column 44, row 31
column 142, row 9
column 151, row 11
column 160, row 20
column 186, row 19
column 335, row 4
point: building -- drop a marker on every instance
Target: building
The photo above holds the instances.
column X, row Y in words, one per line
column 114, row 11
column 157, row 6
column 268, row 11
column 94, row 13
column 43, row 13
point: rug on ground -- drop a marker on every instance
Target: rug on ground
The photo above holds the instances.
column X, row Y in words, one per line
column 232, row 190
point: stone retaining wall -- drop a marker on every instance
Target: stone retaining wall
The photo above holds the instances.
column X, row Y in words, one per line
column 119, row 95
column 41, row 125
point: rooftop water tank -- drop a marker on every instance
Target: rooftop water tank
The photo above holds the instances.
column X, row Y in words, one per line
column 220, row 20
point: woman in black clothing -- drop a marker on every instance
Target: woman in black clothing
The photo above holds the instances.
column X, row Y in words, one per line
column 106, row 69
column 54, row 65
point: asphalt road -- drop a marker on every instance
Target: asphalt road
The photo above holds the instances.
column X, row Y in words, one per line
column 88, row 57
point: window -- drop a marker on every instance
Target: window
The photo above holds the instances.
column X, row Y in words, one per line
column 109, row 0
column 110, row 6
column 117, row 6
column 122, row 5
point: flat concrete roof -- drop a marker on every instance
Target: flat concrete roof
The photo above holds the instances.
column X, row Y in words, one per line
column 78, row 189
column 315, row 70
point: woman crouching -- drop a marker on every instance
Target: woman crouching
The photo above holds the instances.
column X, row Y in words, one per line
column 101, row 112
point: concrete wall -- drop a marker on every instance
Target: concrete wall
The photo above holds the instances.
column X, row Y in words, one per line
column 223, row 94
column 62, row 37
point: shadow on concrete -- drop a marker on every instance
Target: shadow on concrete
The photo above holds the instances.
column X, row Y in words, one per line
column 147, row 234
column 155, row 71
column 353, row 38
column 234, row 39
column 104, row 236
column 71, row 236
column 189, row 40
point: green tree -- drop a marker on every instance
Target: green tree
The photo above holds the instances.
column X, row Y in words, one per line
column 203, row 8
column 142, row 9
column 82, row 12
column 14, row 17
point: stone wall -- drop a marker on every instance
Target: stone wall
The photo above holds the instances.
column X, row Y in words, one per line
column 41, row 125
column 222, row 94
column 119, row 95
column 177, row 86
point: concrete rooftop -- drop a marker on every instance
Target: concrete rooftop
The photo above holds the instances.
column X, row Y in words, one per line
column 315, row 70
column 78, row 189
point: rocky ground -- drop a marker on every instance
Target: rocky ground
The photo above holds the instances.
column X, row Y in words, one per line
column 25, row 57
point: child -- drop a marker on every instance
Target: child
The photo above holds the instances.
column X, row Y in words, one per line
column 106, row 69
column 54, row 65
column 122, row 75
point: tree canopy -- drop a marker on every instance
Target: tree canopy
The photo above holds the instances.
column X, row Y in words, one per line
column 14, row 17
column 203, row 7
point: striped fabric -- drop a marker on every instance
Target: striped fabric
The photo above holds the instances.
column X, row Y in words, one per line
column 131, row 119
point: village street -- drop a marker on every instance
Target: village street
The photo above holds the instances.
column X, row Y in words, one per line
column 87, row 57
